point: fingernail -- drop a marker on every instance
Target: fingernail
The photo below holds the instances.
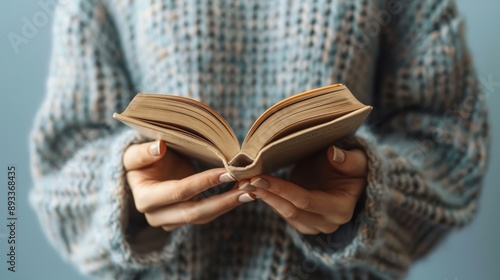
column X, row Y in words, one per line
column 154, row 149
column 338, row 155
column 260, row 183
column 247, row 187
column 226, row 177
column 246, row 197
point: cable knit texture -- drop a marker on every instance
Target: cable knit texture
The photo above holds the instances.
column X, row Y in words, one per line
column 427, row 139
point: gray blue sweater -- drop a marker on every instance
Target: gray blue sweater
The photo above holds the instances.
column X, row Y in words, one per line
column 427, row 140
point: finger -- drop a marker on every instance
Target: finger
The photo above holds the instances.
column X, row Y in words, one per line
column 305, row 222
column 326, row 227
column 157, row 194
column 141, row 155
column 351, row 163
column 242, row 199
column 304, row 229
column 171, row 227
column 308, row 200
column 199, row 212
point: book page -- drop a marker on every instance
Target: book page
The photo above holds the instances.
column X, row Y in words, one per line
column 186, row 114
column 188, row 146
column 314, row 108
column 297, row 98
column 301, row 144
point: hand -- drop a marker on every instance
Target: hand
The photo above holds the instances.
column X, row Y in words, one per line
column 321, row 194
column 165, row 187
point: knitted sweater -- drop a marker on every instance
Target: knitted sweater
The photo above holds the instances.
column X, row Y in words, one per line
column 426, row 141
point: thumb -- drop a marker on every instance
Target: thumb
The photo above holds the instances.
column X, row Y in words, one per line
column 141, row 155
column 348, row 162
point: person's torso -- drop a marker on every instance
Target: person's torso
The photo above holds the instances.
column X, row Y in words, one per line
column 240, row 57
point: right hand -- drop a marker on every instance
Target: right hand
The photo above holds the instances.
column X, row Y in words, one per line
column 165, row 187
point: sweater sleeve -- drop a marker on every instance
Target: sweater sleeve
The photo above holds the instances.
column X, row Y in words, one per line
column 427, row 144
column 80, row 192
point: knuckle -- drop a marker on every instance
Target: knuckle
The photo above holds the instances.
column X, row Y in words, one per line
column 166, row 228
column 152, row 222
column 140, row 157
column 140, row 202
column 264, row 195
column 330, row 228
column 169, row 228
column 205, row 181
column 140, row 207
column 209, row 181
column 291, row 213
column 191, row 215
column 343, row 218
column 182, row 193
column 279, row 189
column 202, row 222
column 308, row 231
column 305, row 203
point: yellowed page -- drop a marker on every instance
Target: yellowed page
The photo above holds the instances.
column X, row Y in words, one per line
column 296, row 98
column 185, row 145
column 300, row 144
column 314, row 108
column 186, row 114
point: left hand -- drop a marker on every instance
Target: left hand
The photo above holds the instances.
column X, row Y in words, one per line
column 322, row 192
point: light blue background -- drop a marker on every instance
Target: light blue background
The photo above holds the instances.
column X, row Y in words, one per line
column 472, row 253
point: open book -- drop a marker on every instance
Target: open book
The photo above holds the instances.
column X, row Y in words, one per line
column 291, row 129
